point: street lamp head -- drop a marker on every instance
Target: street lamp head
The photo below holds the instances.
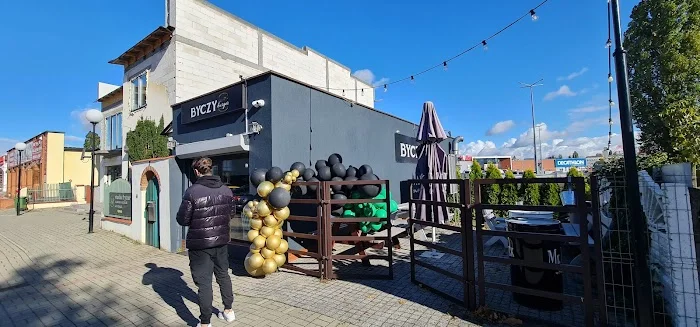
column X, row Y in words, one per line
column 94, row 116
column 20, row 146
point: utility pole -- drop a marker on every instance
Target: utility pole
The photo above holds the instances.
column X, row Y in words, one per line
column 642, row 276
column 532, row 107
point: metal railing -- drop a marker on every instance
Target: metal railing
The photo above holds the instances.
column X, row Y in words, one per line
column 47, row 193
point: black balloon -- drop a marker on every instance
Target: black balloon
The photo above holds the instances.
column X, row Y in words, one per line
column 274, row 175
column 338, row 170
column 348, row 188
column 351, row 171
column 334, row 159
column 312, row 187
column 338, row 196
column 300, row 189
column 308, row 174
column 300, row 167
column 324, row 173
column 364, row 170
column 369, row 191
column 279, row 198
column 320, row 163
column 337, row 188
column 257, row 176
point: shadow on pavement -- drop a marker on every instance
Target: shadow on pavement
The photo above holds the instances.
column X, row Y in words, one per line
column 170, row 286
column 47, row 292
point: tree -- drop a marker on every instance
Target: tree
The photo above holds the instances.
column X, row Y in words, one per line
column 530, row 191
column 145, row 141
column 87, row 145
column 509, row 192
column 560, row 156
column 663, row 42
column 492, row 192
column 573, row 172
column 475, row 171
column 574, row 155
column 549, row 194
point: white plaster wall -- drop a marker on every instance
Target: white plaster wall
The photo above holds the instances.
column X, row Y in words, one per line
column 232, row 47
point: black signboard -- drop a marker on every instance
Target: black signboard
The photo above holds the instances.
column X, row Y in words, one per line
column 120, row 205
column 406, row 148
column 212, row 104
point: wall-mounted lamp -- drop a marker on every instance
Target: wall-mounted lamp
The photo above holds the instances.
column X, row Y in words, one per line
column 398, row 131
column 255, row 127
column 258, row 103
column 171, row 143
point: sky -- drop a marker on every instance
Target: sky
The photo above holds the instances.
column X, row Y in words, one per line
column 55, row 53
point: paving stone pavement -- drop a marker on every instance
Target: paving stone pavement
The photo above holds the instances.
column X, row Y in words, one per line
column 52, row 273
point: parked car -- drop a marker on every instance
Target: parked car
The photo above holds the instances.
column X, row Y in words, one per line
column 241, row 196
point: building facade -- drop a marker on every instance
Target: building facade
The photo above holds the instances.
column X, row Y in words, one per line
column 3, row 174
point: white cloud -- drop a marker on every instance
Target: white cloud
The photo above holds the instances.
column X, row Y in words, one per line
column 7, row 143
column 573, row 75
column 543, row 134
column 587, row 109
column 79, row 117
column 500, row 127
column 368, row 77
column 585, row 146
column 563, row 91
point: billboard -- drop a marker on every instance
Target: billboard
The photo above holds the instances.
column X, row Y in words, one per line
column 570, row 162
column 31, row 153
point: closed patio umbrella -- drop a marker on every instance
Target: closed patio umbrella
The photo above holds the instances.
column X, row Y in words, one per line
column 432, row 164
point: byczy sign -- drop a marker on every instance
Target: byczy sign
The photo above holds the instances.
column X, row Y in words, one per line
column 406, row 148
column 212, row 104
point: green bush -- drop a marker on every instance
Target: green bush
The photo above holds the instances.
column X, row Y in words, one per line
column 530, row 192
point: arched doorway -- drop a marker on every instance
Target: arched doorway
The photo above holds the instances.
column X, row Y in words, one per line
column 151, row 214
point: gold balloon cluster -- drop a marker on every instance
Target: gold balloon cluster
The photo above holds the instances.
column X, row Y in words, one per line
column 267, row 253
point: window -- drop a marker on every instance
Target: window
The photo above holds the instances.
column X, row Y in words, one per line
column 138, row 91
column 114, row 172
column 113, row 135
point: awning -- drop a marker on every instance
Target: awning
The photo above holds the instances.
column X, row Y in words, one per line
column 223, row 145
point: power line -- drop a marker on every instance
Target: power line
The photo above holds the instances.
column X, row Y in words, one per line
column 483, row 44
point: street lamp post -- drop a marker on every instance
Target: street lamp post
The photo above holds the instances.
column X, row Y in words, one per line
column 532, row 108
column 94, row 116
column 642, row 276
column 20, row 147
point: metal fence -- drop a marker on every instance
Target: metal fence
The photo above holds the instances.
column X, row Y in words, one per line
column 47, row 193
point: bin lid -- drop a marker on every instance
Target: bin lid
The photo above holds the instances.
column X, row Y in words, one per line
column 533, row 222
column 530, row 214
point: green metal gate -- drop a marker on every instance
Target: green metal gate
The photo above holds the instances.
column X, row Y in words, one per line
column 152, row 229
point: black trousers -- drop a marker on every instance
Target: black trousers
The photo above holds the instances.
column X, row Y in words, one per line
column 204, row 263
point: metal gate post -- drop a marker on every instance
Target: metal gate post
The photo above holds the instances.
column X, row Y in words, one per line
column 467, row 244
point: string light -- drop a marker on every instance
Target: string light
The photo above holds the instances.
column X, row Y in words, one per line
column 610, row 78
column 343, row 92
column 611, row 104
column 533, row 15
column 363, row 92
column 443, row 64
column 608, row 44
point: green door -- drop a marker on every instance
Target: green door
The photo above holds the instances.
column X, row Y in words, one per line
column 152, row 230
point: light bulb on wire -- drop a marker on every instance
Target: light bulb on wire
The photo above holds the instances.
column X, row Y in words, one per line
column 533, row 15
column 385, row 88
column 612, row 104
column 610, row 78
column 444, row 65
column 483, row 44
column 343, row 92
column 608, row 44
column 413, row 80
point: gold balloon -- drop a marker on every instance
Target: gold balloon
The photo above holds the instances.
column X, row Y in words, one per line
column 267, row 253
column 295, row 173
column 280, row 259
column 255, row 261
column 269, row 266
column 259, row 242
column 278, row 232
column 270, row 221
column 267, row 231
column 255, row 204
column 283, row 247
column 248, row 212
column 273, row 242
column 282, row 213
column 282, row 185
column 253, row 249
column 250, row 270
column 265, row 188
column 264, row 209
column 252, row 234
column 289, row 178
column 251, row 204
column 256, row 223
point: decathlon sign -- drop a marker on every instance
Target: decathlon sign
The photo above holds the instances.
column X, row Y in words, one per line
column 406, row 148
column 570, row 162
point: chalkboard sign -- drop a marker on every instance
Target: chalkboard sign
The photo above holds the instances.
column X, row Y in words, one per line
column 120, row 205
column 406, row 148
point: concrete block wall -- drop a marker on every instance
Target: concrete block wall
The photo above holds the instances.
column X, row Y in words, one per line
column 214, row 47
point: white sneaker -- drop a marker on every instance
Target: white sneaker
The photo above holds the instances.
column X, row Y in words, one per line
column 200, row 325
column 229, row 317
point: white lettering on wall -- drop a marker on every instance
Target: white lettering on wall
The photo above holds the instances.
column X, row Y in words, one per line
column 203, row 109
column 409, row 150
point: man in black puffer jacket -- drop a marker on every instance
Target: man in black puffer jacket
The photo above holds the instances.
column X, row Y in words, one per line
column 206, row 209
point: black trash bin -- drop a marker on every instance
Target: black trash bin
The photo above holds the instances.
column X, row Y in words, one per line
column 538, row 251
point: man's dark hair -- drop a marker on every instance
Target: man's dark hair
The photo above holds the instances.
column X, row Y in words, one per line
column 202, row 165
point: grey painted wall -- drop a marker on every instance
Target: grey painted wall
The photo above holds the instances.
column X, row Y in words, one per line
column 175, row 197
column 359, row 134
